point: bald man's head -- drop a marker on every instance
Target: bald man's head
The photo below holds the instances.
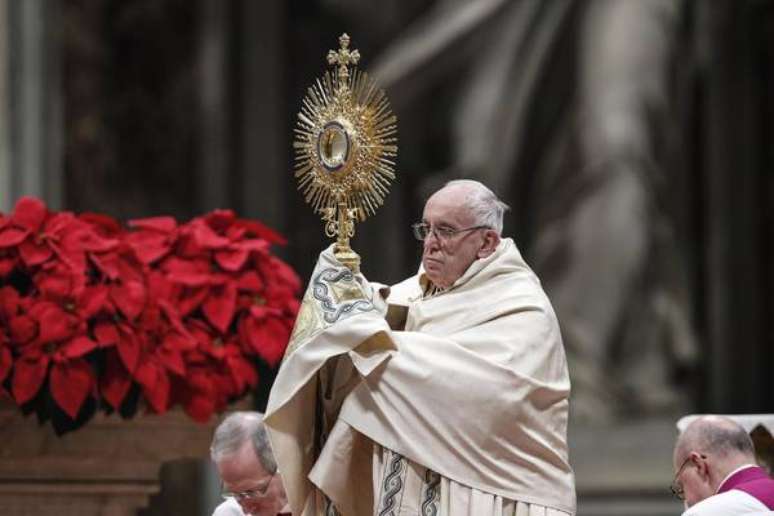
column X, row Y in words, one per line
column 716, row 434
column 709, row 449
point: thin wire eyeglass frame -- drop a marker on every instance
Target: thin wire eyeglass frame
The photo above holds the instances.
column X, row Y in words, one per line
column 251, row 494
column 423, row 230
column 677, row 487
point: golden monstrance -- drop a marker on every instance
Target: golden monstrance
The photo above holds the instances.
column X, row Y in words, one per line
column 346, row 147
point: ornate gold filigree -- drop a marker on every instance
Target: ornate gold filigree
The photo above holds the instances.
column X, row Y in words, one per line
column 346, row 147
column 309, row 323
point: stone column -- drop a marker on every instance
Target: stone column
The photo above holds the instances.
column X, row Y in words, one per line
column 244, row 142
column 31, row 142
column 5, row 135
column 737, row 224
column 213, row 167
column 263, row 168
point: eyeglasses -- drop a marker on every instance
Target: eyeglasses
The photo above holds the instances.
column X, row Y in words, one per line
column 423, row 230
column 676, row 486
column 251, row 494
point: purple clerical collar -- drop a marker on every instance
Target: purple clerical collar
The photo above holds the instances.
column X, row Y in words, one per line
column 741, row 476
column 752, row 480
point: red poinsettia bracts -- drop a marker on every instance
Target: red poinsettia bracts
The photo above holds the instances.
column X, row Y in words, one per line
column 97, row 315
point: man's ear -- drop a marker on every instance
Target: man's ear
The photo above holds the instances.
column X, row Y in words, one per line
column 490, row 243
column 702, row 467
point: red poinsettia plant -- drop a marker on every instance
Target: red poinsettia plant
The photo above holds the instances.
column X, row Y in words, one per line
column 98, row 316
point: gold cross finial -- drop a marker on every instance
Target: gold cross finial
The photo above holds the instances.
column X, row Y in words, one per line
column 344, row 56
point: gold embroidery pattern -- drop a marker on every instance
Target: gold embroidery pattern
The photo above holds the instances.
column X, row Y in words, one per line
column 308, row 324
column 333, row 295
column 327, row 282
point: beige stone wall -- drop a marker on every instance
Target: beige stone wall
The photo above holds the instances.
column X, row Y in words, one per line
column 110, row 467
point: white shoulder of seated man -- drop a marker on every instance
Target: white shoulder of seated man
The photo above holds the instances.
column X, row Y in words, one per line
column 729, row 503
column 229, row 507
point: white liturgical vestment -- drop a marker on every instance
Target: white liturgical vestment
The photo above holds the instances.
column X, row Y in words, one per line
column 730, row 503
column 463, row 410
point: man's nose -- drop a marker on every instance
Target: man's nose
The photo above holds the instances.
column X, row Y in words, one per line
column 431, row 241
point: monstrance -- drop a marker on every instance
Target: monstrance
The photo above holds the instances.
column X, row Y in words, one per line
column 346, row 147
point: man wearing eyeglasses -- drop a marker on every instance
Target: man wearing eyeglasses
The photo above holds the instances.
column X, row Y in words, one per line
column 248, row 471
column 716, row 473
column 447, row 395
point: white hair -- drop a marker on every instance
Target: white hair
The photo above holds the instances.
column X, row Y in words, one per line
column 237, row 429
column 487, row 209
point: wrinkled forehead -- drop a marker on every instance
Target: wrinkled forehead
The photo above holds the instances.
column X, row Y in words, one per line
column 242, row 469
column 448, row 205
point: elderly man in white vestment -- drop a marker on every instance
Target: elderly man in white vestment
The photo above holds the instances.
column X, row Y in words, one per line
column 446, row 394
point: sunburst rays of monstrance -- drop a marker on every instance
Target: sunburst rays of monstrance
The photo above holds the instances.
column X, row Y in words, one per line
column 346, row 146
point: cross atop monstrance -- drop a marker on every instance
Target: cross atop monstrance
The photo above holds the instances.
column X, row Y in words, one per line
column 345, row 148
column 343, row 57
